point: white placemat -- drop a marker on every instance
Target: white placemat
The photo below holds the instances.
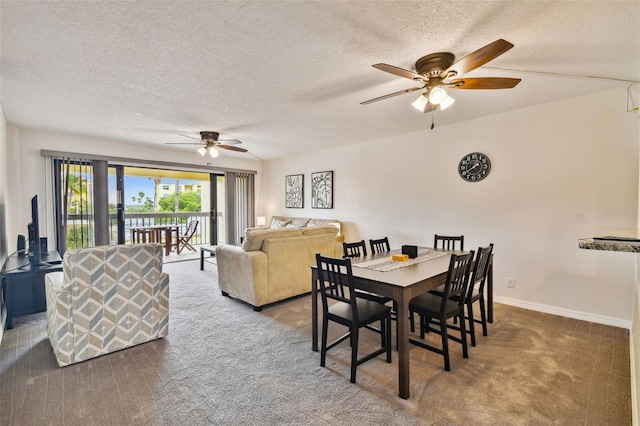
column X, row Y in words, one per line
column 387, row 264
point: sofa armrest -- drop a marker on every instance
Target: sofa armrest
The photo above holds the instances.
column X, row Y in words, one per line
column 243, row 274
column 59, row 317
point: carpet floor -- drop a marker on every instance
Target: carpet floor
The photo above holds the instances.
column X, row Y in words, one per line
column 225, row 364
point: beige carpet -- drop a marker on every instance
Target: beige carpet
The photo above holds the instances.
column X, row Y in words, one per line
column 224, row 364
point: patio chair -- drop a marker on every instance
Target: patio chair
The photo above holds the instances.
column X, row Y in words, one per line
column 184, row 239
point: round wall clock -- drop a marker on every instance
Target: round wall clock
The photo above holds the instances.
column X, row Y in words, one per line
column 474, row 167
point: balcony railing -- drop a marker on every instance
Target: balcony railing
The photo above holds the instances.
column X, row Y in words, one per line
column 133, row 220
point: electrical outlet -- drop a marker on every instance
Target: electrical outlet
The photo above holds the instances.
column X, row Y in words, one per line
column 511, row 282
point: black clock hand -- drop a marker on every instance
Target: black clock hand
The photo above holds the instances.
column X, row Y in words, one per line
column 477, row 163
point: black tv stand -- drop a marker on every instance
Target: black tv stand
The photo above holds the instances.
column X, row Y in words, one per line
column 23, row 284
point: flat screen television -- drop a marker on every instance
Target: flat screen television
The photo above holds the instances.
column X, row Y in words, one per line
column 35, row 253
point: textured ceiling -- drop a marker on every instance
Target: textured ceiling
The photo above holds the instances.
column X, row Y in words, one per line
column 287, row 77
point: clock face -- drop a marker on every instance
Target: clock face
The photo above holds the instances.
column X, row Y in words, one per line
column 474, row 167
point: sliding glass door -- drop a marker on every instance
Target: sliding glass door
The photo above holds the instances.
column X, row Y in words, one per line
column 99, row 203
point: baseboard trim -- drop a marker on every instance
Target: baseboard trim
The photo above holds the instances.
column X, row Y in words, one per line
column 569, row 313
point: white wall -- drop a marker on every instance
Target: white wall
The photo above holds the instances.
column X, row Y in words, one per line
column 32, row 171
column 3, row 203
column 3, row 186
column 560, row 171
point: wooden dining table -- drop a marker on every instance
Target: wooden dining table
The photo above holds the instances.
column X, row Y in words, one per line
column 401, row 284
column 154, row 234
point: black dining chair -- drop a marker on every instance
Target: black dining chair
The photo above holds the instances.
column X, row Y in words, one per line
column 335, row 279
column 447, row 242
column 429, row 306
column 380, row 246
column 356, row 249
column 475, row 291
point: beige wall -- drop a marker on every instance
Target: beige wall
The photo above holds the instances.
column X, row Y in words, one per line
column 560, row 171
column 3, row 186
column 3, row 201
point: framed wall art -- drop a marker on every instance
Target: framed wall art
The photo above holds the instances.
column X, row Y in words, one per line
column 322, row 190
column 294, row 191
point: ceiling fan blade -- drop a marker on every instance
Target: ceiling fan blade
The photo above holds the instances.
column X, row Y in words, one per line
column 400, row 72
column 484, row 83
column 191, row 137
column 230, row 141
column 231, row 148
column 478, row 58
column 183, row 143
column 391, row 95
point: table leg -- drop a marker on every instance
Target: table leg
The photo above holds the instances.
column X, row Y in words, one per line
column 403, row 346
column 167, row 241
column 314, row 309
column 201, row 259
column 490, row 292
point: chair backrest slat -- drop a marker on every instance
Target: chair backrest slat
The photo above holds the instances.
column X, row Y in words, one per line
column 336, row 281
column 354, row 249
column 458, row 277
column 448, row 242
column 480, row 269
column 380, row 246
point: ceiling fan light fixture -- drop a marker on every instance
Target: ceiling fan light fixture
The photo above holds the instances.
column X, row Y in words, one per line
column 421, row 103
column 446, row 103
column 213, row 152
column 202, row 151
column 437, row 95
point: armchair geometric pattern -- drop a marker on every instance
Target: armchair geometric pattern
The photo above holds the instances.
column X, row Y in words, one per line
column 107, row 298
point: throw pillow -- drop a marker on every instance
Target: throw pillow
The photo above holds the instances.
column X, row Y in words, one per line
column 275, row 223
column 299, row 222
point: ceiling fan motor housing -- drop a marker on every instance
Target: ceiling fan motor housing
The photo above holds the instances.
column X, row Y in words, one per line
column 433, row 64
column 209, row 136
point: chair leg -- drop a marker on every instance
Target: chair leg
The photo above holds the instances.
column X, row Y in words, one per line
column 483, row 315
column 472, row 328
column 382, row 333
column 412, row 323
column 323, row 347
column 445, row 343
column 354, row 353
column 463, row 335
column 388, row 336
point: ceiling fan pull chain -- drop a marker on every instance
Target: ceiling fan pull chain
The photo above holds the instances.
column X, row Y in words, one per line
column 432, row 124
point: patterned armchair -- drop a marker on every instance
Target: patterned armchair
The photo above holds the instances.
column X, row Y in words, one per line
column 107, row 298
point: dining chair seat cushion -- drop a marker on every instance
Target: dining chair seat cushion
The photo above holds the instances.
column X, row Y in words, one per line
column 429, row 305
column 367, row 310
column 439, row 291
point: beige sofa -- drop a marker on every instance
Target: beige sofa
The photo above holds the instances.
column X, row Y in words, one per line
column 274, row 264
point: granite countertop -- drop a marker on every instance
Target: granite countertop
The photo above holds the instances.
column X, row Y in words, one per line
column 625, row 240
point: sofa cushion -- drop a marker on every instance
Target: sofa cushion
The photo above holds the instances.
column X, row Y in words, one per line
column 254, row 237
column 319, row 230
column 319, row 222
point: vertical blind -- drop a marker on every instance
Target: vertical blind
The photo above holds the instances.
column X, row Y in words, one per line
column 73, row 180
column 244, row 202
